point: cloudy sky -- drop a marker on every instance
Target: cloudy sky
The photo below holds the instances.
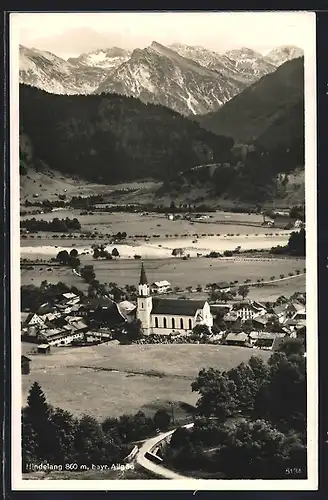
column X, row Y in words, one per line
column 70, row 34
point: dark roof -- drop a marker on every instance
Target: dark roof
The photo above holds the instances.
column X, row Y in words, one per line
column 177, row 307
column 143, row 278
column 97, row 302
column 25, row 358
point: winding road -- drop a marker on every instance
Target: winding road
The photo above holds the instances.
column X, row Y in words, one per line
column 151, row 467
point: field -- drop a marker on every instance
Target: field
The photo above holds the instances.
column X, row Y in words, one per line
column 181, row 273
column 109, row 380
column 151, row 224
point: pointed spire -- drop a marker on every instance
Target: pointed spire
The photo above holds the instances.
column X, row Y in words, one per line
column 143, row 277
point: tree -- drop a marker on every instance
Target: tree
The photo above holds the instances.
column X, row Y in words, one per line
column 89, row 442
column 88, row 273
column 296, row 244
column 65, row 426
column 132, row 332
column 257, row 450
column 115, row 253
column 74, row 252
column 217, row 394
column 291, row 347
column 246, row 386
column 282, row 398
column 74, row 262
column 96, row 253
column 38, row 425
column 162, row 419
column 243, row 291
column 63, row 257
column 180, row 438
column 201, row 330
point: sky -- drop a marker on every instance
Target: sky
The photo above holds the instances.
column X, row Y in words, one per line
column 70, row 34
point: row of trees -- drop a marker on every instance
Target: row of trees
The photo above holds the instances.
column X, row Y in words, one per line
column 54, row 435
column 56, row 225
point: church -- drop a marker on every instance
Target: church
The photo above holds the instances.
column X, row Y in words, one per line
column 163, row 316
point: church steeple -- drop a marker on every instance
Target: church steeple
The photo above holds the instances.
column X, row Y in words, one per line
column 143, row 278
column 144, row 289
column 144, row 302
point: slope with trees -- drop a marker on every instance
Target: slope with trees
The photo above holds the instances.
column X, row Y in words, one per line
column 251, row 420
column 110, row 138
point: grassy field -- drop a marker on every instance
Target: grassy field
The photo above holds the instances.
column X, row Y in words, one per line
column 137, row 224
column 181, row 273
column 109, row 380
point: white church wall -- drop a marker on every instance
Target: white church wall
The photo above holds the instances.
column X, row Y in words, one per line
column 172, row 322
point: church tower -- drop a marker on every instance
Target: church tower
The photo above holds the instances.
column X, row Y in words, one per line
column 144, row 302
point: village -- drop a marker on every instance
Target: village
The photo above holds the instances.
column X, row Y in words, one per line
column 69, row 319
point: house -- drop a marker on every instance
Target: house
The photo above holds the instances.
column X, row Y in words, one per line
column 295, row 307
column 263, row 340
column 25, row 365
column 223, row 285
column 163, row 316
column 63, row 336
column 249, row 310
column 238, row 339
column 161, row 287
column 299, row 316
column 127, row 310
column 44, row 349
column 101, row 312
column 33, row 319
column 232, row 320
column 70, row 296
column 30, row 334
column 261, row 321
column 281, row 312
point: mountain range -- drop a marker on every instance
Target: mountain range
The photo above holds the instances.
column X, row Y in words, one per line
column 190, row 80
column 108, row 138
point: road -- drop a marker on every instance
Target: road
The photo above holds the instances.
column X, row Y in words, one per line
column 153, row 468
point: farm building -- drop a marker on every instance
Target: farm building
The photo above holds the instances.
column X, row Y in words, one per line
column 161, row 286
column 164, row 316
column 25, row 365
column 238, row 339
column 44, row 349
column 249, row 310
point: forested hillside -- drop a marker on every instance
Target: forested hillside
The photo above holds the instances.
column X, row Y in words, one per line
column 268, row 112
column 111, row 138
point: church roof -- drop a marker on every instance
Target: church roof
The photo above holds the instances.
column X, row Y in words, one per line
column 179, row 307
column 143, row 278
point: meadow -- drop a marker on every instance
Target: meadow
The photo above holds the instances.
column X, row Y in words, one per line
column 182, row 273
column 109, row 380
column 151, row 224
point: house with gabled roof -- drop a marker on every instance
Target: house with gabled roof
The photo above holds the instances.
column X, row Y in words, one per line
column 160, row 286
column 237, row 339
column 249, row 310
column 33, row 319
column 163, row 316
